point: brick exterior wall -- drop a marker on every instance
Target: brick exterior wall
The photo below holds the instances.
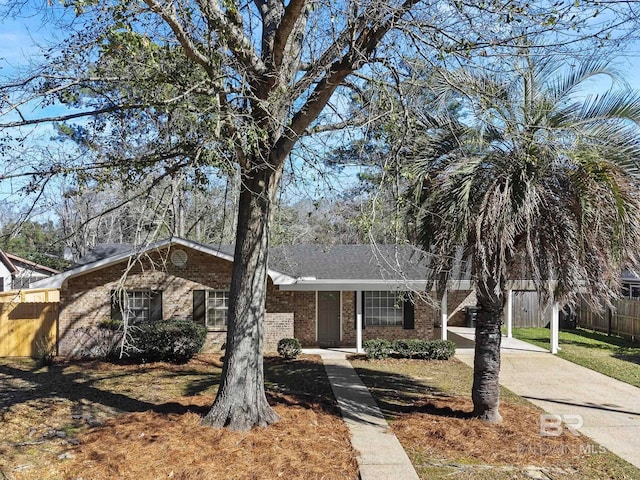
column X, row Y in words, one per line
column 303, row 306
column 85, row 300
column 456, row 303
column 424, row 315
column 276, row 327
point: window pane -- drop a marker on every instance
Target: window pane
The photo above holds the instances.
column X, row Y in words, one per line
column 217, row 309
column 138, row 306
column 383, row 309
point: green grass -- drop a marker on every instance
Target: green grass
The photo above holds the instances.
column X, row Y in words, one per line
column 611, row 356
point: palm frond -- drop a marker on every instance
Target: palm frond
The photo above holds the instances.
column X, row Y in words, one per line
column 534, row 182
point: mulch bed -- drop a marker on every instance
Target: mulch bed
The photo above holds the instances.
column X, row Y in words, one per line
column 43, row 437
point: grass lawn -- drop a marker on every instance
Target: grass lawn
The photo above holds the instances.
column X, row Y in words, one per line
column 612, row 356
column 98, row 421
column 428, row 406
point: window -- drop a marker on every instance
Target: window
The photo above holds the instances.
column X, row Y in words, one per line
column 21, row 282
column 383, row 309
column 211, row 308
column 217, row 309
column 630, row 290
column 137, row 305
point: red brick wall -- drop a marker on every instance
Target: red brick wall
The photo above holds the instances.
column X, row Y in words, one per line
column 302, row 304
column 85, row 300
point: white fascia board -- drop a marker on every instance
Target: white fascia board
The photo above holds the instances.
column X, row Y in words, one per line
column 354, row 284
column 367, row 285
column 56, row 281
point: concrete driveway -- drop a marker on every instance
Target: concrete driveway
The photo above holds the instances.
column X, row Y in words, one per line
column 608, row 409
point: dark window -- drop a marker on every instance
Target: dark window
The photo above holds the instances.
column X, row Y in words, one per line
column 21, row 282
column 211, row 308
column 630, row 290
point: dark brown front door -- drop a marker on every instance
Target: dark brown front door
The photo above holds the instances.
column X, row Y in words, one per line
column 328, row 318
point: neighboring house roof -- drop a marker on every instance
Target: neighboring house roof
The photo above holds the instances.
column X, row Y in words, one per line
column 629, row 277
column 7, row 262
column 14, row 264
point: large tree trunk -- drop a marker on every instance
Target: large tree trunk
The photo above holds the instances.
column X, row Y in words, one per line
column 486, row 363
column 241, row 403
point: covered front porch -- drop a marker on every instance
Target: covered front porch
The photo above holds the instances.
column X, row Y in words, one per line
column 458, row 334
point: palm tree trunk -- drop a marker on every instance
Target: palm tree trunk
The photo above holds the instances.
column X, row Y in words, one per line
column 241, row 403
column 486, row 363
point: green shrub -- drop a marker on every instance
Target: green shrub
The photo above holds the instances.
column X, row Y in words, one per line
column 411, row 348
column 377, row 348
column 289, row 348
column 442, row 349
column 174, row 341
column 110, row 324
column 424, row 349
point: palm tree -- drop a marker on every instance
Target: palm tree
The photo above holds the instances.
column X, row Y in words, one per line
column 536, row 181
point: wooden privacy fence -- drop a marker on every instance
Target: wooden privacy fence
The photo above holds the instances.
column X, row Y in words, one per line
column 28, row 322
column 527, row 312
column 623, row 322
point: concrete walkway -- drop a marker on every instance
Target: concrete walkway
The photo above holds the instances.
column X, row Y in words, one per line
column 380, row 455
column 610, row 409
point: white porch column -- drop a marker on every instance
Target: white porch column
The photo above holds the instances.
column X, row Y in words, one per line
column 555, row 312
column 358, row 321
column 508, row 311
column 445, row 316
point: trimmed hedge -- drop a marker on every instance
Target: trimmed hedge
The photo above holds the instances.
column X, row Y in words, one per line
column 289, row 348
column 410, row 348
column 442, row 349
column 175, row 341
column 377, row 348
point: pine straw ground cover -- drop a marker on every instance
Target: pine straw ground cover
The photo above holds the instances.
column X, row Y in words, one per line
column 95, row 421
column 428, row 404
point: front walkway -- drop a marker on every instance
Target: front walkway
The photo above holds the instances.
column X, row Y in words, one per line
column 610, row 409
column 380, row 455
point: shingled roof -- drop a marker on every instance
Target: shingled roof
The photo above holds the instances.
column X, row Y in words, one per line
column 348, row 262
column 293, row 267
column 353, row 262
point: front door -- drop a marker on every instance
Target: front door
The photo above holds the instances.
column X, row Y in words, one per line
column 328, row 318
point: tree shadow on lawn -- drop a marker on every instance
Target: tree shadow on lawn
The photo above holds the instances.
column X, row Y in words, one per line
column 619, row 348
column 628, row 357
column 398, row 395
column 302, row 382
column 609, row 341
column 78, row 386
